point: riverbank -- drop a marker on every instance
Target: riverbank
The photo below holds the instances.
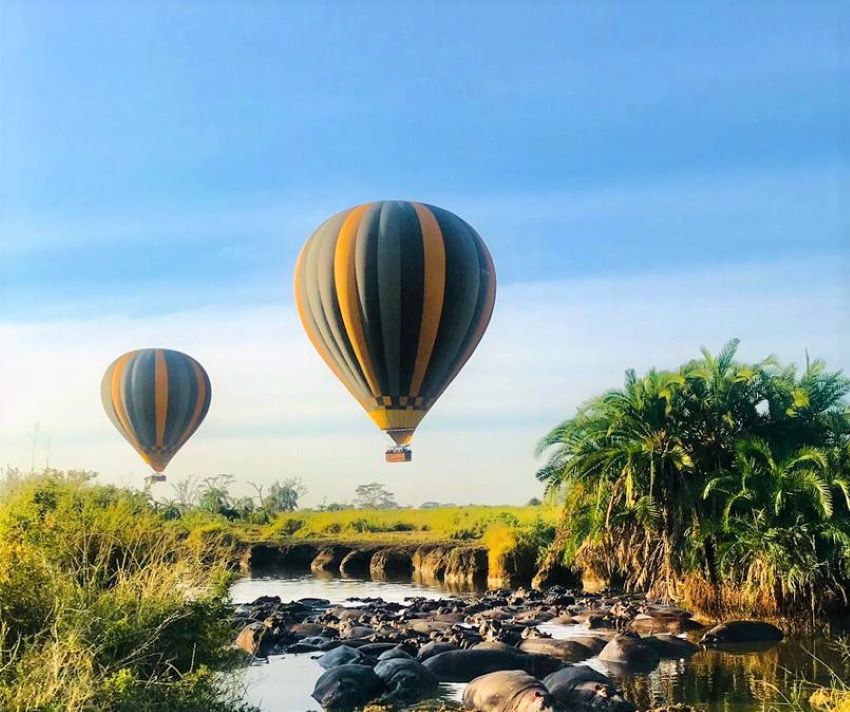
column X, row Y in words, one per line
column 458, row 546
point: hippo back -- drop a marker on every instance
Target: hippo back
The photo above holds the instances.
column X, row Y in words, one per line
column 346, row 687
column 464, row 665
column 507, row 691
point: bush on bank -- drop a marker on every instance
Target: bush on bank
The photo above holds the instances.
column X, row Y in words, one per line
column 104, row 606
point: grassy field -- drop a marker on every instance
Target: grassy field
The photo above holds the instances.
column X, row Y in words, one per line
column 468, row 524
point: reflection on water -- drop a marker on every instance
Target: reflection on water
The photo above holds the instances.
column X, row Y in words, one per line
column 717, row 681
column 290, row 585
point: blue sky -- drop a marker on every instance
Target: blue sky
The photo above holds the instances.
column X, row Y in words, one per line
column 167, row 161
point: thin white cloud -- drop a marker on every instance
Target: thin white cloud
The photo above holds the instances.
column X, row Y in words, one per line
column 774, row 199
column 278, row 412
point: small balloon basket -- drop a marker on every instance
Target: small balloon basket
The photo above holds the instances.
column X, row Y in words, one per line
column 399, row 454
column 153, row 478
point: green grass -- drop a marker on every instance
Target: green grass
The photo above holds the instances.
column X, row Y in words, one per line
column 104, row 606
column 411, row 526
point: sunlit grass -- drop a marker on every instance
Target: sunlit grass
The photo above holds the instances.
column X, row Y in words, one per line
column 105, row 607
column 405, row 525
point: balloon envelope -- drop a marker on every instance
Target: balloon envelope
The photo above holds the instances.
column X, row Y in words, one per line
column 156, row 398
column 395, row 296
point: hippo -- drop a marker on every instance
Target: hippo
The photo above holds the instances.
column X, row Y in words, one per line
column 578, row 687
column 594, row 643
column 251, row 640
column 507, row 691
column 396, row 653
column 435, row 647
column 647, row 624
column 307, row 630
column 346, row 687
column 495, row 645
column 570, row 651
column 343, row 655
column 375, row 648
column 742, row 632
column 358, row 631
column 630, row 650
column 671, row 646
column 406, row 681
column 426, row 627
column 464, row 665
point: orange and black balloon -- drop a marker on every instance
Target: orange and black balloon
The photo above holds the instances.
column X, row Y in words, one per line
column 395, row 296
column 156, row 398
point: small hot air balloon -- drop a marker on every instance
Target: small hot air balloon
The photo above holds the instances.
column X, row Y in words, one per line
column 156, row 398
column 395, row 296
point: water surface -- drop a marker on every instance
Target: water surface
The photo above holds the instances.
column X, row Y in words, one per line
column 711, row 680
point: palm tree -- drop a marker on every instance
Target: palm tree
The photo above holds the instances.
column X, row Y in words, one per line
column 622, row 466
column 722, row 469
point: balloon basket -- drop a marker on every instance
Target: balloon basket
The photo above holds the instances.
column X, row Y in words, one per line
column 399, row 454
column 154, row 478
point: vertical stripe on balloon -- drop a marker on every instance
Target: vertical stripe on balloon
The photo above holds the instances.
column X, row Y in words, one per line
column 160, row 395
column 345, row 279
column 434, row 286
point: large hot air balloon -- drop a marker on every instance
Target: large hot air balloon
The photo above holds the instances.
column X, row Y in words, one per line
column 156, row 398
column 395, row 296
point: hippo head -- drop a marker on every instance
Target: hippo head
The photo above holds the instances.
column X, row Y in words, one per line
column 606, row 698
column 533, row 701
column 342, row 694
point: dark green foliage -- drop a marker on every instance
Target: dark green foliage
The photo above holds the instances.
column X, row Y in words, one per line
column 728, row 473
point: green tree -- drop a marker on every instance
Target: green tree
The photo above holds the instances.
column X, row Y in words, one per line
column 374, row 496
column 283, row 496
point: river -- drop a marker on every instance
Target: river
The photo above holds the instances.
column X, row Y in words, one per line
column 711, row 680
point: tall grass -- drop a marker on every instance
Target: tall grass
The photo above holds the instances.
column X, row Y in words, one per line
column 103, row 606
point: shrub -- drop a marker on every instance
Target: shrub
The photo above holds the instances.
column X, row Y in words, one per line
column 106, row 606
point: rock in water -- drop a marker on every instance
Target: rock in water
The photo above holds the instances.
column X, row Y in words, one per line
column 347, row 687
column 742, row 632
column 507, row 691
